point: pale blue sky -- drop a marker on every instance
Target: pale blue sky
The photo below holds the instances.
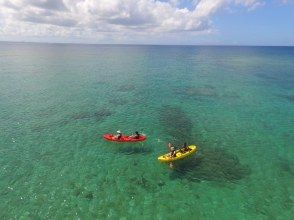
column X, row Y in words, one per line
column 209, row 22
column 272, row 24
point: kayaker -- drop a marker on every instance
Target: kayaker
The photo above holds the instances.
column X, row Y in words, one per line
column 172, row 150
column 119, row 134
column 185, row 148
column 136, row 135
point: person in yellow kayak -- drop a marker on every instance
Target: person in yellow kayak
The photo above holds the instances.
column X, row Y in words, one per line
column 185, row 148
column 172, row 150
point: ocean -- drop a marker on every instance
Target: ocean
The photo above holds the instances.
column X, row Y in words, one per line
column 236, row 104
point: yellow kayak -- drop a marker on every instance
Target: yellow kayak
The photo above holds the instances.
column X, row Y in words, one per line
column 179, row 154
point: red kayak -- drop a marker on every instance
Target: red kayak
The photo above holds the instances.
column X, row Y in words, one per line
column 124, row 138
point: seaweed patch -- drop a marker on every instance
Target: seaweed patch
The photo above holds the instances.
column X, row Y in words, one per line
column 41, row 127
column 47, row 112
column 203, row 92
column 266, row 76
column 289, row 98
column 126, row 88
column 212, row 165
column 82, row 192
column 118, row 101
column 283, row 80
column 143, row 182
column 286, row 165
column 102, row 113
column 161, row 183
column 89, row 195
column 82, row 115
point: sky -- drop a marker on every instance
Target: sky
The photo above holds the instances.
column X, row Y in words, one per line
column 175, row 22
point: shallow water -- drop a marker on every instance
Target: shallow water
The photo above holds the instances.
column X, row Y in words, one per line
column 234, row 103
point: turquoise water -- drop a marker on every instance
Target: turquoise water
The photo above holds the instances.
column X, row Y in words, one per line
column 235, row 103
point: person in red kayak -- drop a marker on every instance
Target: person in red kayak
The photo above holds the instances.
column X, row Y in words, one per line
column 119, row 135
column 136, row 135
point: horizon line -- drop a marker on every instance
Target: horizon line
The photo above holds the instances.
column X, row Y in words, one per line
column 142, row 44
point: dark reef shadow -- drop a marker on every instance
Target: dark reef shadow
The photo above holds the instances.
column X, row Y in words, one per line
column 144, row 183
column 81, row 192
column 82, row 115
column 266, row 77
column 118, row 101
column 99, row 115
column 41, row 127
column 211, row 165
column 286, row 165
column 126, row 88
column 284, row 80
column 50, row 111
column 289, row 98
column 100, row 82
column 176, row 123
column 197, row 93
